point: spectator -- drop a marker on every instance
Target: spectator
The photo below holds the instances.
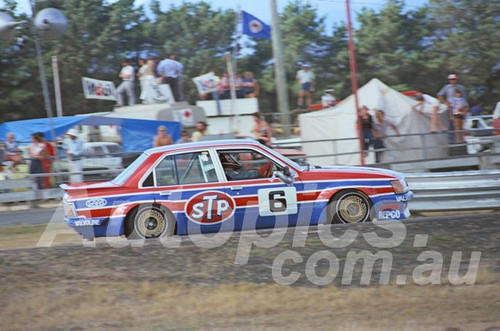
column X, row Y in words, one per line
column 447, row 92
column 250, row 85
column 424, row 99
column 47, row 161
column 74, row 152
column 305, row 78
column 380, row 132
column 184, row 138
column 459, row 108
column 127, row 74
column 224, row 87
column 328, row 100
column 37, row 153
column 168, row 70
column 367, row 128
column 261, row 130
column 162, row 139
column 180, row 80
column 238, row 86
column 477, row 109
column 12, row 151
column 201, row 130
column 146, row 80
column 5, row 173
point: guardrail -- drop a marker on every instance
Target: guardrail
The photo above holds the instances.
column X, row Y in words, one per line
column 25, row 189
column 447, row 191
column 452, row 191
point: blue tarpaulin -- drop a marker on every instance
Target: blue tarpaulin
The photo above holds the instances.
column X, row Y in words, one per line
column 137, row 135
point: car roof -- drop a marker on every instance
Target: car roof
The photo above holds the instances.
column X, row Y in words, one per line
column 204, row 144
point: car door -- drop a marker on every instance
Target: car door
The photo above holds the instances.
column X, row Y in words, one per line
column 188, row 185
column 262, row 200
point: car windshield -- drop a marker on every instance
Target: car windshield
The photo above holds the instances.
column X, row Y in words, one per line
column 287, row 160
column 122, row 178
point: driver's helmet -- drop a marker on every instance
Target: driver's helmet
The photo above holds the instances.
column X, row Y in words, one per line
column 228, row 160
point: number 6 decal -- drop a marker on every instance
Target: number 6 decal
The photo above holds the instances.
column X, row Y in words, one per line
column 277, row 201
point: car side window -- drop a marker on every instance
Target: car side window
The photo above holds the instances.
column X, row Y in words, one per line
column 246, row 164
column 165, row 173
column 195, row 168
column 188, row 168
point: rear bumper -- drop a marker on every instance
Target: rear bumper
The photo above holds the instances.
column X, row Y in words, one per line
column 96, row 227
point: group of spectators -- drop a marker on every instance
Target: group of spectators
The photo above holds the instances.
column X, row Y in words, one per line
column 454, row 98
column 245, row 86
column 40, row 155
column 451, row 95
column 151, row 73
column 262, row 132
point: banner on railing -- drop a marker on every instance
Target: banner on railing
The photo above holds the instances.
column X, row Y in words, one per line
column 98, row 89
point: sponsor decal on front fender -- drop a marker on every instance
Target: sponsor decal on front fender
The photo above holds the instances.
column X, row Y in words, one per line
column 390, row 210
column 210, row 207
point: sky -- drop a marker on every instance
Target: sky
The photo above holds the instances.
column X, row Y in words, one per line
column 333, row 10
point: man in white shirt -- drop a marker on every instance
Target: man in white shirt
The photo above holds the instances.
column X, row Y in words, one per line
column 127, row 74
column 74, row 152
column 328, row 100
column 305, row 78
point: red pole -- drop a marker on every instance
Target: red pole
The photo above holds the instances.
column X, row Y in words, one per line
column 354, row 82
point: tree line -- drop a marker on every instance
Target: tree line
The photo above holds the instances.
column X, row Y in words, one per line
column 405, row 48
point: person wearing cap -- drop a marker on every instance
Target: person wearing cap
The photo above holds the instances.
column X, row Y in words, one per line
column 73, row 146
column 305, row 78
column 328, row 100
column 127, row 74
column 447, row 93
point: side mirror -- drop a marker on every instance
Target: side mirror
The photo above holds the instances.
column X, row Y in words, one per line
column 285, row 176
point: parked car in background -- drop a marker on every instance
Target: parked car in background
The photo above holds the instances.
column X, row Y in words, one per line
column 107, row 154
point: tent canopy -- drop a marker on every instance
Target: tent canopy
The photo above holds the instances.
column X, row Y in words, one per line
column 137, row 135
column 340, row 122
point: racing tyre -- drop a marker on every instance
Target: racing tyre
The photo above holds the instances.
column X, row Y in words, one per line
column 149, row 222
column 350, row 207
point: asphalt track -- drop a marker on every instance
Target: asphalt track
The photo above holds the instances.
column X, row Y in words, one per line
column 45, row 215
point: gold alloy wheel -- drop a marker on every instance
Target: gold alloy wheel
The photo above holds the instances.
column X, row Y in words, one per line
column 150, row 223
column 352, row 207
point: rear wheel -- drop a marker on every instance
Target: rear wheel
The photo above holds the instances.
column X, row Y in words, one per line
column 150, row 222
column 350, row 207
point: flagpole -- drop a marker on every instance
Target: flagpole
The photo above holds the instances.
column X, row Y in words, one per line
column 354, row 82
column 279, row 71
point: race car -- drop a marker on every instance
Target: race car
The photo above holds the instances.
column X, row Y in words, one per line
column 229, row 185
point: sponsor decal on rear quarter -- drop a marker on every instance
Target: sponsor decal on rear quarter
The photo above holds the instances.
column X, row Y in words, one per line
column 95, row 203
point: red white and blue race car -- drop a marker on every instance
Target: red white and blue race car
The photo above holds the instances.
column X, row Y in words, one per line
column 229, row 185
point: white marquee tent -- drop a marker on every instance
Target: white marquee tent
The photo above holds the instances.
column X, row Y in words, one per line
column 339, row 122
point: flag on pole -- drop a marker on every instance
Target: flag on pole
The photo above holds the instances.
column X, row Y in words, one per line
column 254, row 27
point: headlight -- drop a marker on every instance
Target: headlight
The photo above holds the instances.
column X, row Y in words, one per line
column 399, row 186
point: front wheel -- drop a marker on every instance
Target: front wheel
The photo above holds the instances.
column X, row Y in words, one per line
column 150, row 222
column 350, row 207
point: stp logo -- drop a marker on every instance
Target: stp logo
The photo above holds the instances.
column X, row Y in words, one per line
column 210, row 207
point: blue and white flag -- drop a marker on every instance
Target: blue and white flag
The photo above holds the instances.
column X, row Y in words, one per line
column 254, row 27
